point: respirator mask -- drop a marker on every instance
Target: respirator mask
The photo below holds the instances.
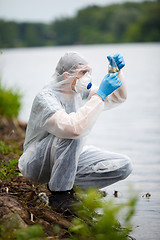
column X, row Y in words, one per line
column 84, row 83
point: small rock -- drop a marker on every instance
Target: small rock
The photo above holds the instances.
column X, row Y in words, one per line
column 14, row 220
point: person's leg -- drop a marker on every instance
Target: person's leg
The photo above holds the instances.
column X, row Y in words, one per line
column 37, row 164
column 97, row 168
column 65, row 164
column 66, row 155
column 54, row 161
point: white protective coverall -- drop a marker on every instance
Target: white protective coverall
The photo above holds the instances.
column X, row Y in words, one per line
column 60, row 118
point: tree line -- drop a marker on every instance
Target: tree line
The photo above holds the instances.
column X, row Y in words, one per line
column 116, row 23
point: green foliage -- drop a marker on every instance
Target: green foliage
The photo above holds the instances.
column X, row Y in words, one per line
column 108, row 23
column 147, row 27
column 4, row 149
column 34, row 232
column 13, row 147
column 126, row 22
column 10, row 102
column 66, row 31
column 8, row 34
column 8, row 169
column 97, row 219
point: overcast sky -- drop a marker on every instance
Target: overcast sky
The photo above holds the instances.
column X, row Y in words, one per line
column 46, row 10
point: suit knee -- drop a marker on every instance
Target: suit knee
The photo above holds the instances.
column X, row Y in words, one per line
column 127, row 168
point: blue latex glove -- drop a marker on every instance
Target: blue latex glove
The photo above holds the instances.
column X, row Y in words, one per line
column 116, row 60
column 108, row 85
column 112, row 61
column 119, row 61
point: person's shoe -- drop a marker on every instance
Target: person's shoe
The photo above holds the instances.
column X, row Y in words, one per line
column 62, row 201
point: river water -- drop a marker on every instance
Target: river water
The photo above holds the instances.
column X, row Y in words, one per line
column 132, row 128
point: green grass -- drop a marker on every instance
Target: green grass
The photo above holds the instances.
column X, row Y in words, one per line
column 10, row 102
column 4, row 148
column 10, row 147
column 8, row 169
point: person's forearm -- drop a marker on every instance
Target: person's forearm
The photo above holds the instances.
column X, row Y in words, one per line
column 76, row 124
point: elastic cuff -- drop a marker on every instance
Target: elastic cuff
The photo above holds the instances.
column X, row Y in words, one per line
column 101, row 94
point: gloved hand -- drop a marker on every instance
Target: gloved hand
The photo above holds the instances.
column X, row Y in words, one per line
column 119, row 61
column 112, row 61
column 108, row 85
